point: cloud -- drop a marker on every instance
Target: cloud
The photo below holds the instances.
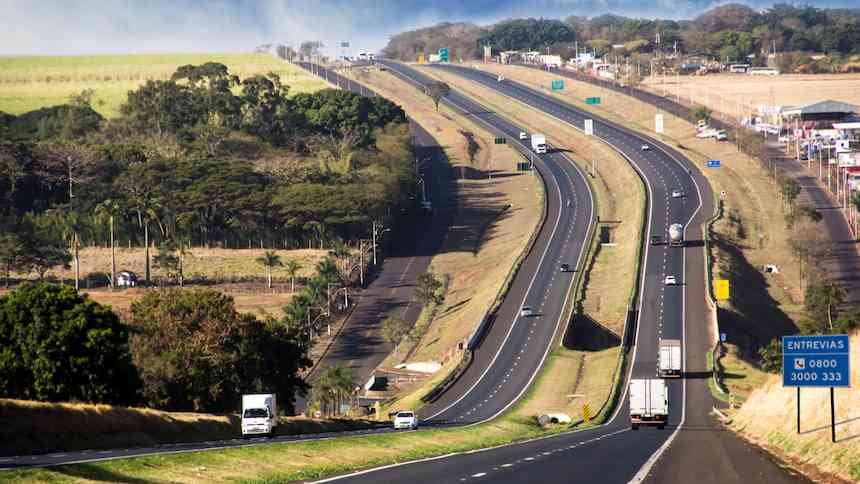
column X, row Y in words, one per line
column 117, row 26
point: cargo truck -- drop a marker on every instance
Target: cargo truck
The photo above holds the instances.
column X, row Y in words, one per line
column 676, row 235
column 259, row 414
column 539, row 143
column 670, row 358
column 649, row 402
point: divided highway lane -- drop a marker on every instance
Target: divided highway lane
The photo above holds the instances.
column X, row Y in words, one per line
column 515, row 347
column 612, row 452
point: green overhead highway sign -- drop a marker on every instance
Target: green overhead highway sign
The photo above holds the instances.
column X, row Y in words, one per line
column 592, row 100
column 443, row 54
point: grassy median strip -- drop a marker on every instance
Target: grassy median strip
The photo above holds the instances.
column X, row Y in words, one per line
column 751, row 234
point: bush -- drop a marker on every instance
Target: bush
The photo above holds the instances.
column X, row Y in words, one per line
column 196, row 352
column 57, row 345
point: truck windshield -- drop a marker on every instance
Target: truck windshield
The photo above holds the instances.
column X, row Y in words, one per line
column 256, row 413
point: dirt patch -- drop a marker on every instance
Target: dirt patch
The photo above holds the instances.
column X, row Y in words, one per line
column 738, row 95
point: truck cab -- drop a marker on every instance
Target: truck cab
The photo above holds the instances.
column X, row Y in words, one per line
column 539, row 143
column 259, row 414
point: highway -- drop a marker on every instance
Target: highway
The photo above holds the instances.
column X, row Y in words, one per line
column 514, row 347
column 613, row 452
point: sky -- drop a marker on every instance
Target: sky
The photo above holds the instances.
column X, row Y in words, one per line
column 61, row 27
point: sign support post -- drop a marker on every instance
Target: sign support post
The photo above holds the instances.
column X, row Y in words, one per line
column 798, row 410
column 832, row 417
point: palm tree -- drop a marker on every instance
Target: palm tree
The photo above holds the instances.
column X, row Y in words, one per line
column 110, row 208
column 331, row 388
column 327, row 270
column 270, row 260
column 292, row 268
column 341, row 253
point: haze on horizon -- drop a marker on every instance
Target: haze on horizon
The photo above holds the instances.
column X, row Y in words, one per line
column 55, row 27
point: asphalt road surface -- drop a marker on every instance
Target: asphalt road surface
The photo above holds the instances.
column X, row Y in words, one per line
column 514, row 347
column 613, row 452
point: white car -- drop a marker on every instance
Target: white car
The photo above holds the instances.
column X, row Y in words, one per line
column 784, row 138
column 677, row 194
column 406, row 420
column 524, row 135
column 722, row 136
column 670, row 281
column 645, row 148
column 526, row 311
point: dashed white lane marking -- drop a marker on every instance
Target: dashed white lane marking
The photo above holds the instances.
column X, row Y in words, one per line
column 480, row 474
column 507, row 465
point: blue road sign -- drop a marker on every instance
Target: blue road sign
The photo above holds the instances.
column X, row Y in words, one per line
column 558, row 84
column 815, row 361
column 713, row 163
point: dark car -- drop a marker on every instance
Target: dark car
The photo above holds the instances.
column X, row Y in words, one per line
column 656, row 240
column 565, row 268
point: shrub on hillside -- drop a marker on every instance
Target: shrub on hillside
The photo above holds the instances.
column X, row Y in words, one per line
column 58, row 345
column 195, row 352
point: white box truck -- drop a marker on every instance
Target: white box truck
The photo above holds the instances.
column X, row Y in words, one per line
column 259, row 414
column 670, row 358
column 539, row 143
column 649, row 402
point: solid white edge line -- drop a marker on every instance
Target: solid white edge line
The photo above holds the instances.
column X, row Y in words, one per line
column 646, row 468
column 528, row 290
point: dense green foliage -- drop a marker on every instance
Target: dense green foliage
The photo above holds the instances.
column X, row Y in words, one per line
column 729, row 32
column 205, row 158
column 58, row 345
column 194, row 351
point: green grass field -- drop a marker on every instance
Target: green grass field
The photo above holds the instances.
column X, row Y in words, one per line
column 28, row 83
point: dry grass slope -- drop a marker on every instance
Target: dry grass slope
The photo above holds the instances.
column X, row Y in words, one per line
column 768, row 419
column 28, row 83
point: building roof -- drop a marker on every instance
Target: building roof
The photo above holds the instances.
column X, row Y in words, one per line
column 821, row 107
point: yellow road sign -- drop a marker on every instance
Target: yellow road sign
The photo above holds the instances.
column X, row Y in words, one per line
column 721, row 287
column 586, row 413
column 421, row 58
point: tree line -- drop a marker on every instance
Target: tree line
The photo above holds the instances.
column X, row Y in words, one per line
column 179, row 350
column 732, row 32
column 202, row 159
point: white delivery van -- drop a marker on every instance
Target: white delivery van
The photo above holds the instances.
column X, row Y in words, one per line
column 259, row 414
column 539, row 143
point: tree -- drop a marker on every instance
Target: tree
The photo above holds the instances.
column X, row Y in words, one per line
column 428, row 288
column 809, row 245
column 170, row 259
column 821, row 300
column 110, row 209
column 12, row 255
column 701, row 113
column 269, row 260
column 327, row 271
column 790, row 189
column 771, row 356
column 331, row 388
column 58, row 345
column 292, row 268
column 196, row 352
column 437, row 91
column 394, row 329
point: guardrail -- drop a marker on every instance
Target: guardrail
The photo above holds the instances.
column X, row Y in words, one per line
column 716, row 352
